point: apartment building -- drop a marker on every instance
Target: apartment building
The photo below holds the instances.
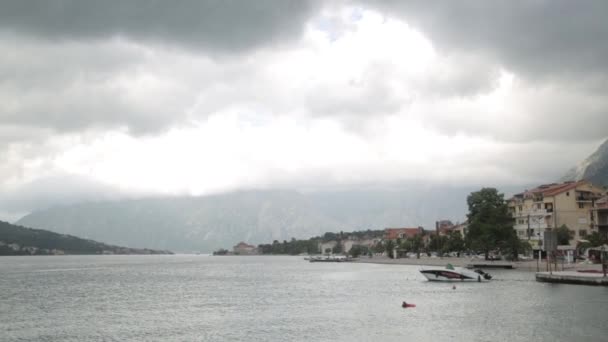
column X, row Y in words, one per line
column 461, row 228
column 553, row 205
column 402, row 233
column 600, row 216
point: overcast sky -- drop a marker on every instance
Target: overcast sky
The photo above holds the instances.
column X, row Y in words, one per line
column 197, row 97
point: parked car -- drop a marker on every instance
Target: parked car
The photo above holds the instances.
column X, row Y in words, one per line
column 494, row 257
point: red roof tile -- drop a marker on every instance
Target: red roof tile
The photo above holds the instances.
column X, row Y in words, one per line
column 394, row 233
column 554, row 188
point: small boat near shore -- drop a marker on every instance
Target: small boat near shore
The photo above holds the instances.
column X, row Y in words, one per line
column 330, row 258
column 450, row 273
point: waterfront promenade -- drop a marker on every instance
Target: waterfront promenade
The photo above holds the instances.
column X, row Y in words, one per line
column 572, row 277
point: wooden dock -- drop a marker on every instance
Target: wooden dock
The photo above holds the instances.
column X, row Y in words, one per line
column 569, row 277
column 490, row 264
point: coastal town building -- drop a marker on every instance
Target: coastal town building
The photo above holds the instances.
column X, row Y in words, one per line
column 600, row 216
column 461, row 228
column 244, row 249
column 347, row 244
column 367, row 243
column 443, row 227
column 402, row 233
column 327, row 247
column 550, row 206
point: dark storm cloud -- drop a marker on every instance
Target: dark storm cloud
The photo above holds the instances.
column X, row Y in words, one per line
column 535, row 38
column 70, row 65
column 74, row 86
column 557, row 50
column 222, row 25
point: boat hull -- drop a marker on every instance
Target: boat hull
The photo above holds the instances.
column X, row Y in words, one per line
column 446, row 275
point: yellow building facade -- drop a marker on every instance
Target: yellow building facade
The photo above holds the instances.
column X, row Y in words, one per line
column 552, row 205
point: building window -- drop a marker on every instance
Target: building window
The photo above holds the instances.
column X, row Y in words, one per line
column 581, row 205
column 568, row 193
column 520, row 208
column 537, row 205
column 582, row 233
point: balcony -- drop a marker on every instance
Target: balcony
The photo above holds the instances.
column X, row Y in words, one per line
column 583, row 196
column 602, row 221
column 541, row 212
column 533, row 213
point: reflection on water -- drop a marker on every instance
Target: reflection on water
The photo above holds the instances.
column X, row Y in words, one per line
column 200, row 298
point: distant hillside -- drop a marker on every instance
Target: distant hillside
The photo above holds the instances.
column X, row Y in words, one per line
column 212, row 222
column 189, row 223
column 594, row 168
column 17, row 240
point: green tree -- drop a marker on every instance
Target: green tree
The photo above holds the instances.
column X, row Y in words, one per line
column 358, row 250
column 595, row 239
column 378, row 247
column 490, row 224
column 390, row 245
column 563, row 235
column 512, row 245
column 417, row 245
column 434, row 242
column 406, row 245
column 454, row 242
column 338, row 248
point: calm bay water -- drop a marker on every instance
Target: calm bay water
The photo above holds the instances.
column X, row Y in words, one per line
column 200, row 298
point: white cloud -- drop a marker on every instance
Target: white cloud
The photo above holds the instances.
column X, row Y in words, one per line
column 355, row 97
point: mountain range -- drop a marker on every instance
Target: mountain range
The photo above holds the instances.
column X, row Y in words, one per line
column 593, row 168
column 257, row 216
column 17, row 240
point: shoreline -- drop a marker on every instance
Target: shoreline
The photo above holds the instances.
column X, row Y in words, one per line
column 529, row 265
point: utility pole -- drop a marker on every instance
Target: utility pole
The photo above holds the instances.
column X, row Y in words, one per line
column 603, row 259
column 554, row 213
column 529, row 233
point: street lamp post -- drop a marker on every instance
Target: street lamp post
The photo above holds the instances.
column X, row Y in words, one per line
column 540, row 252
column 603, row 257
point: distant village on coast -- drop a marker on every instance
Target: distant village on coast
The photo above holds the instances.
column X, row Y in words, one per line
column 562, row 218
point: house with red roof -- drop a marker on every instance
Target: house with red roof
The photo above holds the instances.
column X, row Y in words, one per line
column 444, row 227
column 402, row 233
column 244, row 249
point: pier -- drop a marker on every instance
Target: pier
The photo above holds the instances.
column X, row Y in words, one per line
column 503, row 265
column 571, row 277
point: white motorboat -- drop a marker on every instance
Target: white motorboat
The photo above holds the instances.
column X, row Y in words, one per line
column 454, row 274
column 330, row 258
